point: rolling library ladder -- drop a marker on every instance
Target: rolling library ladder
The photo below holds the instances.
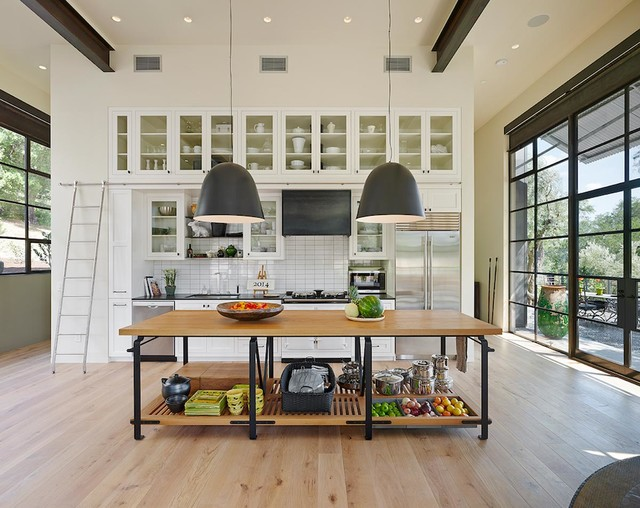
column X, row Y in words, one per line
column 78, row 280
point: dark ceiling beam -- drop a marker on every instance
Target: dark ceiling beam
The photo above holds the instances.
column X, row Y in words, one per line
column 460, row 22
column 65, row 20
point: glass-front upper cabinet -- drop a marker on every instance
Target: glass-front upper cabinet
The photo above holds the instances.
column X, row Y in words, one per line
column 334, row 142
column 154, row 148
column 189, row 127
column 298, row 141
column 368, row 239
column 371, row 139
column 222, row 138
column 260, row 138
column 443, row 143
column 409, row 140
column 165, row 229
column 120, row 143
column 263, row 240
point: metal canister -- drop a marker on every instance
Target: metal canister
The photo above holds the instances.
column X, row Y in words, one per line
column 422, row 386
column 440, row 362
column 422, row 369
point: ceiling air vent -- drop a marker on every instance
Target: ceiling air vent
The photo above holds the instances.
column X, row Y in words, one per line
column 147, row 63
column 273, row 64
column 397, row 64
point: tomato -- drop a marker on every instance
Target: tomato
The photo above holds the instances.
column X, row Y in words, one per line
column 248, row 306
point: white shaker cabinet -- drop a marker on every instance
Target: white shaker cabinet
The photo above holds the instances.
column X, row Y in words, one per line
column 119, row 317
column 263, row 240
column 120, row 238
column 165, row 226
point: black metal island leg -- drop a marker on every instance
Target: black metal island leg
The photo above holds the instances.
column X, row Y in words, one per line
column 253, row 353
column 137, row 410
column 484, row 387
column 368, row 425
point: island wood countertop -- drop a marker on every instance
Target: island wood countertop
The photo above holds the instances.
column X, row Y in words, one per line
column 303, row 323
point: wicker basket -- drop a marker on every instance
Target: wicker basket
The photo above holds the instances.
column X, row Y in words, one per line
column 306, row 402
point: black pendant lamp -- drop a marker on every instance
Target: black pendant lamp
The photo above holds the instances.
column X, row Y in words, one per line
column 228, row 193
column 390, row 192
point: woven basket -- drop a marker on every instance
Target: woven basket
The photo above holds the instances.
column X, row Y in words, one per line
column 306, row 402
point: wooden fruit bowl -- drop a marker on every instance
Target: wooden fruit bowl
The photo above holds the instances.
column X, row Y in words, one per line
column 271, row 309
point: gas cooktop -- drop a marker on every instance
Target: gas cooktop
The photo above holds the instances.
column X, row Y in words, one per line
column 315, row 296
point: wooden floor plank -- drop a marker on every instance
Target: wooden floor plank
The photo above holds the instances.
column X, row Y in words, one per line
column 65, row 440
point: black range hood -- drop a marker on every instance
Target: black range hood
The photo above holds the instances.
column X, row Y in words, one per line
column 316, row 212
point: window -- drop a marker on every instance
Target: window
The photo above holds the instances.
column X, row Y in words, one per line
column 25, row 204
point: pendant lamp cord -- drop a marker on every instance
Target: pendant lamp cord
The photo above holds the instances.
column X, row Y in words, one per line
column 389, row 138
column 231, row 66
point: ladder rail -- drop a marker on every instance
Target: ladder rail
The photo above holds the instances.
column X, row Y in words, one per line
column 93, row 281
column 64, row 278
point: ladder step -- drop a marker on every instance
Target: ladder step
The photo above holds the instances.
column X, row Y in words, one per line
column 69, row 334
column 84, row 223
column 89, row 278
column 76, row 296
column 79, row 259
column 74, row 315
column 70, row 354
column 82, row 241
column 86, row 206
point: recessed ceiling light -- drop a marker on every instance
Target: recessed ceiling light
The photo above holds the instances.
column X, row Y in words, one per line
column 538, row 20
column 187, row 19
column 483, row 82
column 417, row 20
column 43, row 67
column 347, row 19
column 502, row 61
column 515, row 46
column 266, row 19
column 117, row 19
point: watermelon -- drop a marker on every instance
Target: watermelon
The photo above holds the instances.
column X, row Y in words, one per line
column 370, row 306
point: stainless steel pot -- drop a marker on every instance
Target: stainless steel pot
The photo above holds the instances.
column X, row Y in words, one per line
column 422, row 369
column 388, row 383
column 423, row 386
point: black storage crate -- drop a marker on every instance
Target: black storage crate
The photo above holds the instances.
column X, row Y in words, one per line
column 306, row 402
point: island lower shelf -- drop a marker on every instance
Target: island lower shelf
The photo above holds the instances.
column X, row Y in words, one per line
column 347, row 408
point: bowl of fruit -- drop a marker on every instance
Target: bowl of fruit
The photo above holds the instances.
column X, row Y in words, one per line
column 366, row 308
column 249, row 311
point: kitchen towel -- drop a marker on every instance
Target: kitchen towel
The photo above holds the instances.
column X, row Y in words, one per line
column 461, row 354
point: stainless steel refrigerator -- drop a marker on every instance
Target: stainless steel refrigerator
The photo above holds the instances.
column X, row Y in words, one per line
column 427, row 277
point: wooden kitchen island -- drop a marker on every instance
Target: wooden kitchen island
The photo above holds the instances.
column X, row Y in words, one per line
column 349, row 407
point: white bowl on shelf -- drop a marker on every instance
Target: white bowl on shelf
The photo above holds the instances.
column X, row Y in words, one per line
column 252, row 149
column 296, row 163
column 332, row 149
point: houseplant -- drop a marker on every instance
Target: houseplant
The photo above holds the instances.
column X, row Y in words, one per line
column 170, row 281
column 599, row 287
column 552, row 308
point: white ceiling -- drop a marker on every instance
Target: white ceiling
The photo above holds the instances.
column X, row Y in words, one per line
column 25, row 39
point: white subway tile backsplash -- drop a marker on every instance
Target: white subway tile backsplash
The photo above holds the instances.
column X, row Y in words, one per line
column 311, row 262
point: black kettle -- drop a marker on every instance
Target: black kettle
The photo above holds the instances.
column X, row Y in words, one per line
column 175, row 385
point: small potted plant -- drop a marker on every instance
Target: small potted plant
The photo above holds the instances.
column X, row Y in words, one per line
column 599, row 287
column 170, row 281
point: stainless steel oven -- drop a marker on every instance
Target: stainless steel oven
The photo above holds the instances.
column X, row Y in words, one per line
column 368, row 280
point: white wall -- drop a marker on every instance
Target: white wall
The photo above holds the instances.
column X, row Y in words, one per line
column 491, row 217
column 197, row 76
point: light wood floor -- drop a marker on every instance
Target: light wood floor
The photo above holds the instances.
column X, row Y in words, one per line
column 65, row 441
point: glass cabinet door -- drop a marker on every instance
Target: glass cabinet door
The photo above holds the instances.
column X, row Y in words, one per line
column 441, row 143
column 190, row 142
column 372, row 141
column 120, row 141
column 367, row 239
column 153, row 142
column 264, row 239
column 334, row 143
column 409, row 129
column 259, row 141
column 222, row 132
column 165, row 227
column 298, row 143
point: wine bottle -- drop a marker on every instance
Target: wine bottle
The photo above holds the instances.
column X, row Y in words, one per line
column 189, row 252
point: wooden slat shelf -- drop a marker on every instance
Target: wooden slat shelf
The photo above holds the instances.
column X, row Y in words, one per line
column 347, row 408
